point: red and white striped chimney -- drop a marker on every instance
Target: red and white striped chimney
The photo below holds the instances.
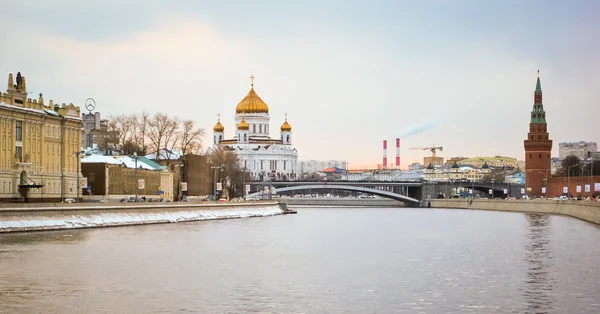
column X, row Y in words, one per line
column 397, row 153
column 384, row 166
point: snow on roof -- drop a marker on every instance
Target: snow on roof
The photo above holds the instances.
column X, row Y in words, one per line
column 166, row 154
column 128, row 161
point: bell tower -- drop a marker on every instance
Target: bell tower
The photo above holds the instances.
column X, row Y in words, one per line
column 538, row 147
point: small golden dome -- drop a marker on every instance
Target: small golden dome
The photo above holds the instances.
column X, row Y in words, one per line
column 252, row 104
column 219, row 127
column 243, row 125
column 286, row 127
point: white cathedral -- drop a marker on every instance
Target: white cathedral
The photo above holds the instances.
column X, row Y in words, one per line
column 257, row 152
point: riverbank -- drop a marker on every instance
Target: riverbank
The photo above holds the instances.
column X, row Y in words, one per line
column 584, row 210
column 345, row 202
column 69, row 216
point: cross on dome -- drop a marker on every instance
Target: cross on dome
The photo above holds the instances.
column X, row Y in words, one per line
column 252, row 80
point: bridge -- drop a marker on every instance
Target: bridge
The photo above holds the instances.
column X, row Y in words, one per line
column 412, row 189
column 345, row 187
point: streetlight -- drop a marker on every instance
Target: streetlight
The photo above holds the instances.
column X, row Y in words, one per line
column 135, row 157
column 77, row 183
column 493, row 192
column 244, row 183
column 569, row 178
column 214, row 181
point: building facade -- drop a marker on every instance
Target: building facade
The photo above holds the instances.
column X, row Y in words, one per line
column 261, row 155
column 40, row 146
column 96, row 134
column 309, row 166
column 538, row 147
column 494, row 162
column 581, row 149
column 438, row 161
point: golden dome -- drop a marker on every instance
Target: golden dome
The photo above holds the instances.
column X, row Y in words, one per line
column 252, row 104
column 286, row 127
column 219, row 127
column 243, row 125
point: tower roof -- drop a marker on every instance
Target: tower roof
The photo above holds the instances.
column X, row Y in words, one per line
column 252, row 102
column 538, row 85
column 286, row 127
column 243, row 125
column 538, row 115
column 218, row 127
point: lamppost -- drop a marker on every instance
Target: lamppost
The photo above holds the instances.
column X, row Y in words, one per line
column 244, row 183
column 569, row 178
column 214, row 181
column 135, row 157
column 77, row 183
column 493, row 192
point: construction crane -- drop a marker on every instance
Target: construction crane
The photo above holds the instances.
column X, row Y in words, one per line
column 433, row 149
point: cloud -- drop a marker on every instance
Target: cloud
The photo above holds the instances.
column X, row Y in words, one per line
column 421, row 127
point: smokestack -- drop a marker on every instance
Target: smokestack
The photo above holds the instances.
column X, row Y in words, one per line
column 397, row 153
column 384, row 154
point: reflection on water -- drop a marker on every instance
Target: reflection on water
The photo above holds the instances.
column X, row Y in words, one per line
column 335, row 260
column 538, row 256
column 58, row 236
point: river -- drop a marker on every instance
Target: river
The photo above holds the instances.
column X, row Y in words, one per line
column 323, row 260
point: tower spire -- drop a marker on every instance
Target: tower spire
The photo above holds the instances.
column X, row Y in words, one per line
column 538, row 85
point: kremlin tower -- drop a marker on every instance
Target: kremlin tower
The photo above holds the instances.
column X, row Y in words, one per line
column 538, row 147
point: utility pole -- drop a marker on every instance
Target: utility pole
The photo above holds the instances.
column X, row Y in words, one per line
column 77, row 184
column 136, row 177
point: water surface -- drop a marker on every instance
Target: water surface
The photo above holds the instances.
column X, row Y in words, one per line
column 336, row 260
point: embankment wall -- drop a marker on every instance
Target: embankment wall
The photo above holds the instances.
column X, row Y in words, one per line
column 68, row 216
column 585, row 210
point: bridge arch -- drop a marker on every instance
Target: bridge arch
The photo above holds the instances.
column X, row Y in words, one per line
column 386, row 194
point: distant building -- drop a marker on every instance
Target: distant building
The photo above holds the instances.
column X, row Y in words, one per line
column 95, row 133
column 494, row 162
column 455, row 172
column 439, row 161
column 415, row 166
column 310, row 166
column 457, row 160
column 517, row 178
column 580, row 149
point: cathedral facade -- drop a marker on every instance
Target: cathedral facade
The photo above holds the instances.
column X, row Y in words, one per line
column 264, row 157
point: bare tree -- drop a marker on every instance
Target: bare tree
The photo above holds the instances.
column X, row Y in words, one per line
column 141, row 122
column 162, row 135
column 227, row 171
column 124, row 127
column 190, row 138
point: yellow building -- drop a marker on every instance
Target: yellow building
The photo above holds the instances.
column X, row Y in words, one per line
column 438, row 161
column 38, row 161
column 494, row 162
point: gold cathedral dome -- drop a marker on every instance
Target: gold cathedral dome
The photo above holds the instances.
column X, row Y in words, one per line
column 252, row 102
column 243, row 125
column 219, row 127
column 286, row 127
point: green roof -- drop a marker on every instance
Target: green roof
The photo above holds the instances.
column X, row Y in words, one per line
column 151, row 163
column 538, row 86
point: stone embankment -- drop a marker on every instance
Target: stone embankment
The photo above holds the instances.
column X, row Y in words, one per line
column 585, row 210
column 28, row 217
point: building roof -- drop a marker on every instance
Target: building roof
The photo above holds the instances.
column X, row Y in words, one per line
column 166, row 154
column 286, row 127
column 128, row 161
column 252, row 104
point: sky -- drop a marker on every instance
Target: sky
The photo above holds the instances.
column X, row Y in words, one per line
column 350, row 74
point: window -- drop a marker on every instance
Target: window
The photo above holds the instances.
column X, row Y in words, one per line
column 260, row 128
column 19, row 130
column 19, row 153
column 284, row 165
column 254, row 128
column 288, row 139
column 245, row 137
column 261, row 165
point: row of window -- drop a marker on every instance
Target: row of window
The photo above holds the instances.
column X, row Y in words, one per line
column 272, row 165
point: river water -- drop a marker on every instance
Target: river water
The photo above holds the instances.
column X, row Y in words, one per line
column 323, row 260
